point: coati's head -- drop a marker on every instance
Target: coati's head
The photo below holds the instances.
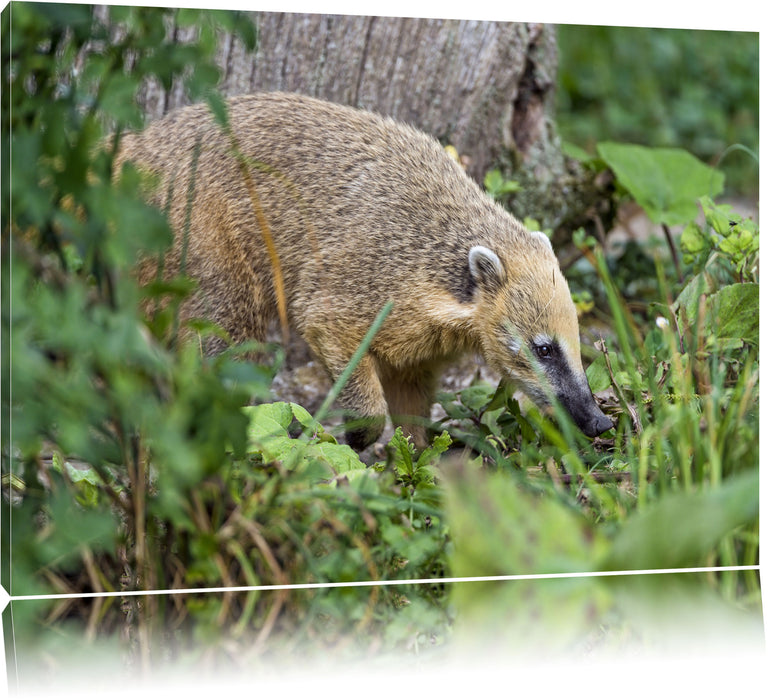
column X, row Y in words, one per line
column 529, row 330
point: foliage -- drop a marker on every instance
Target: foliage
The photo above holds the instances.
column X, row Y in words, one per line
column 498, row 186
column 137, row 464
column 684, row 455
column 665, row 182
column 727, row 241
column 698, row 90
column 133, row 464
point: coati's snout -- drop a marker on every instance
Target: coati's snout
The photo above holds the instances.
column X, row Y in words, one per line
column 591, row 421
column 571, row 389
column 533, row 332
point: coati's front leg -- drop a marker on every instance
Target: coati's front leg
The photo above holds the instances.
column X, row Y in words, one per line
column 374, row 389
column 409, row 393
column 364, row 404
column 362, row 396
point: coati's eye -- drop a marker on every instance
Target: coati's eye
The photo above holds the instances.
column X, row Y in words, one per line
column 543, row 352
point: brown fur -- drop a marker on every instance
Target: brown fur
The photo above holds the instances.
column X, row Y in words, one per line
column 362, row 210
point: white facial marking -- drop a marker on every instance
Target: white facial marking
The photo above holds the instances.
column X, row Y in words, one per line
column 542, row 339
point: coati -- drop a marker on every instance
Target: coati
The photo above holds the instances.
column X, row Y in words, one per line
column 361, row 210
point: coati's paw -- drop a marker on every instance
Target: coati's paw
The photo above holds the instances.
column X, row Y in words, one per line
column 362, row 431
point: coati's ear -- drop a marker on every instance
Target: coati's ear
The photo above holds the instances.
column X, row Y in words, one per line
column 486, row 268
column 542, row 236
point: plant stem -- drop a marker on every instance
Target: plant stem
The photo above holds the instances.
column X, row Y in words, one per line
column 674, row 254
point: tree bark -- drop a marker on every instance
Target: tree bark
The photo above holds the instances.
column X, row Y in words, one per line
column 483, row 87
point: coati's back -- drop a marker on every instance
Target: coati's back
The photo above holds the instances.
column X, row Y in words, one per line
column 357, row 204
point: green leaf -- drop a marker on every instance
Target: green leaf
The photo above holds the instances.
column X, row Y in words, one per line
column 573, row 151
column 73, row 528
column 718, row 216
column 681, row 529
column 204, row 80
column 734, row 312
column 403, row 451
column 188, row 16
column 178, row 287
column 219, row 109
column 598, row 376
column 497, row 186
column 476, row 397
column 500, row 529
column 118, row 99
column 435, row 450
column 341, row 458
column 666, row 182
column 689, row 298
column 268, row 434
column 692, row 240
column 268, row 428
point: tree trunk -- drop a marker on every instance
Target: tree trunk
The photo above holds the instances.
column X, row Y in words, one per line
column 480, row 86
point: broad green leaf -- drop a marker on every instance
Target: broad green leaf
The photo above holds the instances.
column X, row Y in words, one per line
column 341, row 458
column 499, row 529
column 598, row 373
column 666, row 182
column 734, row 312
column 268, row 434
column 304, row 417
column 689, row 298
column 680, row 530
column 268, row 428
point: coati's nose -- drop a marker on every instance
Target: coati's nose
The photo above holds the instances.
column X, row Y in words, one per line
column 599, row 424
